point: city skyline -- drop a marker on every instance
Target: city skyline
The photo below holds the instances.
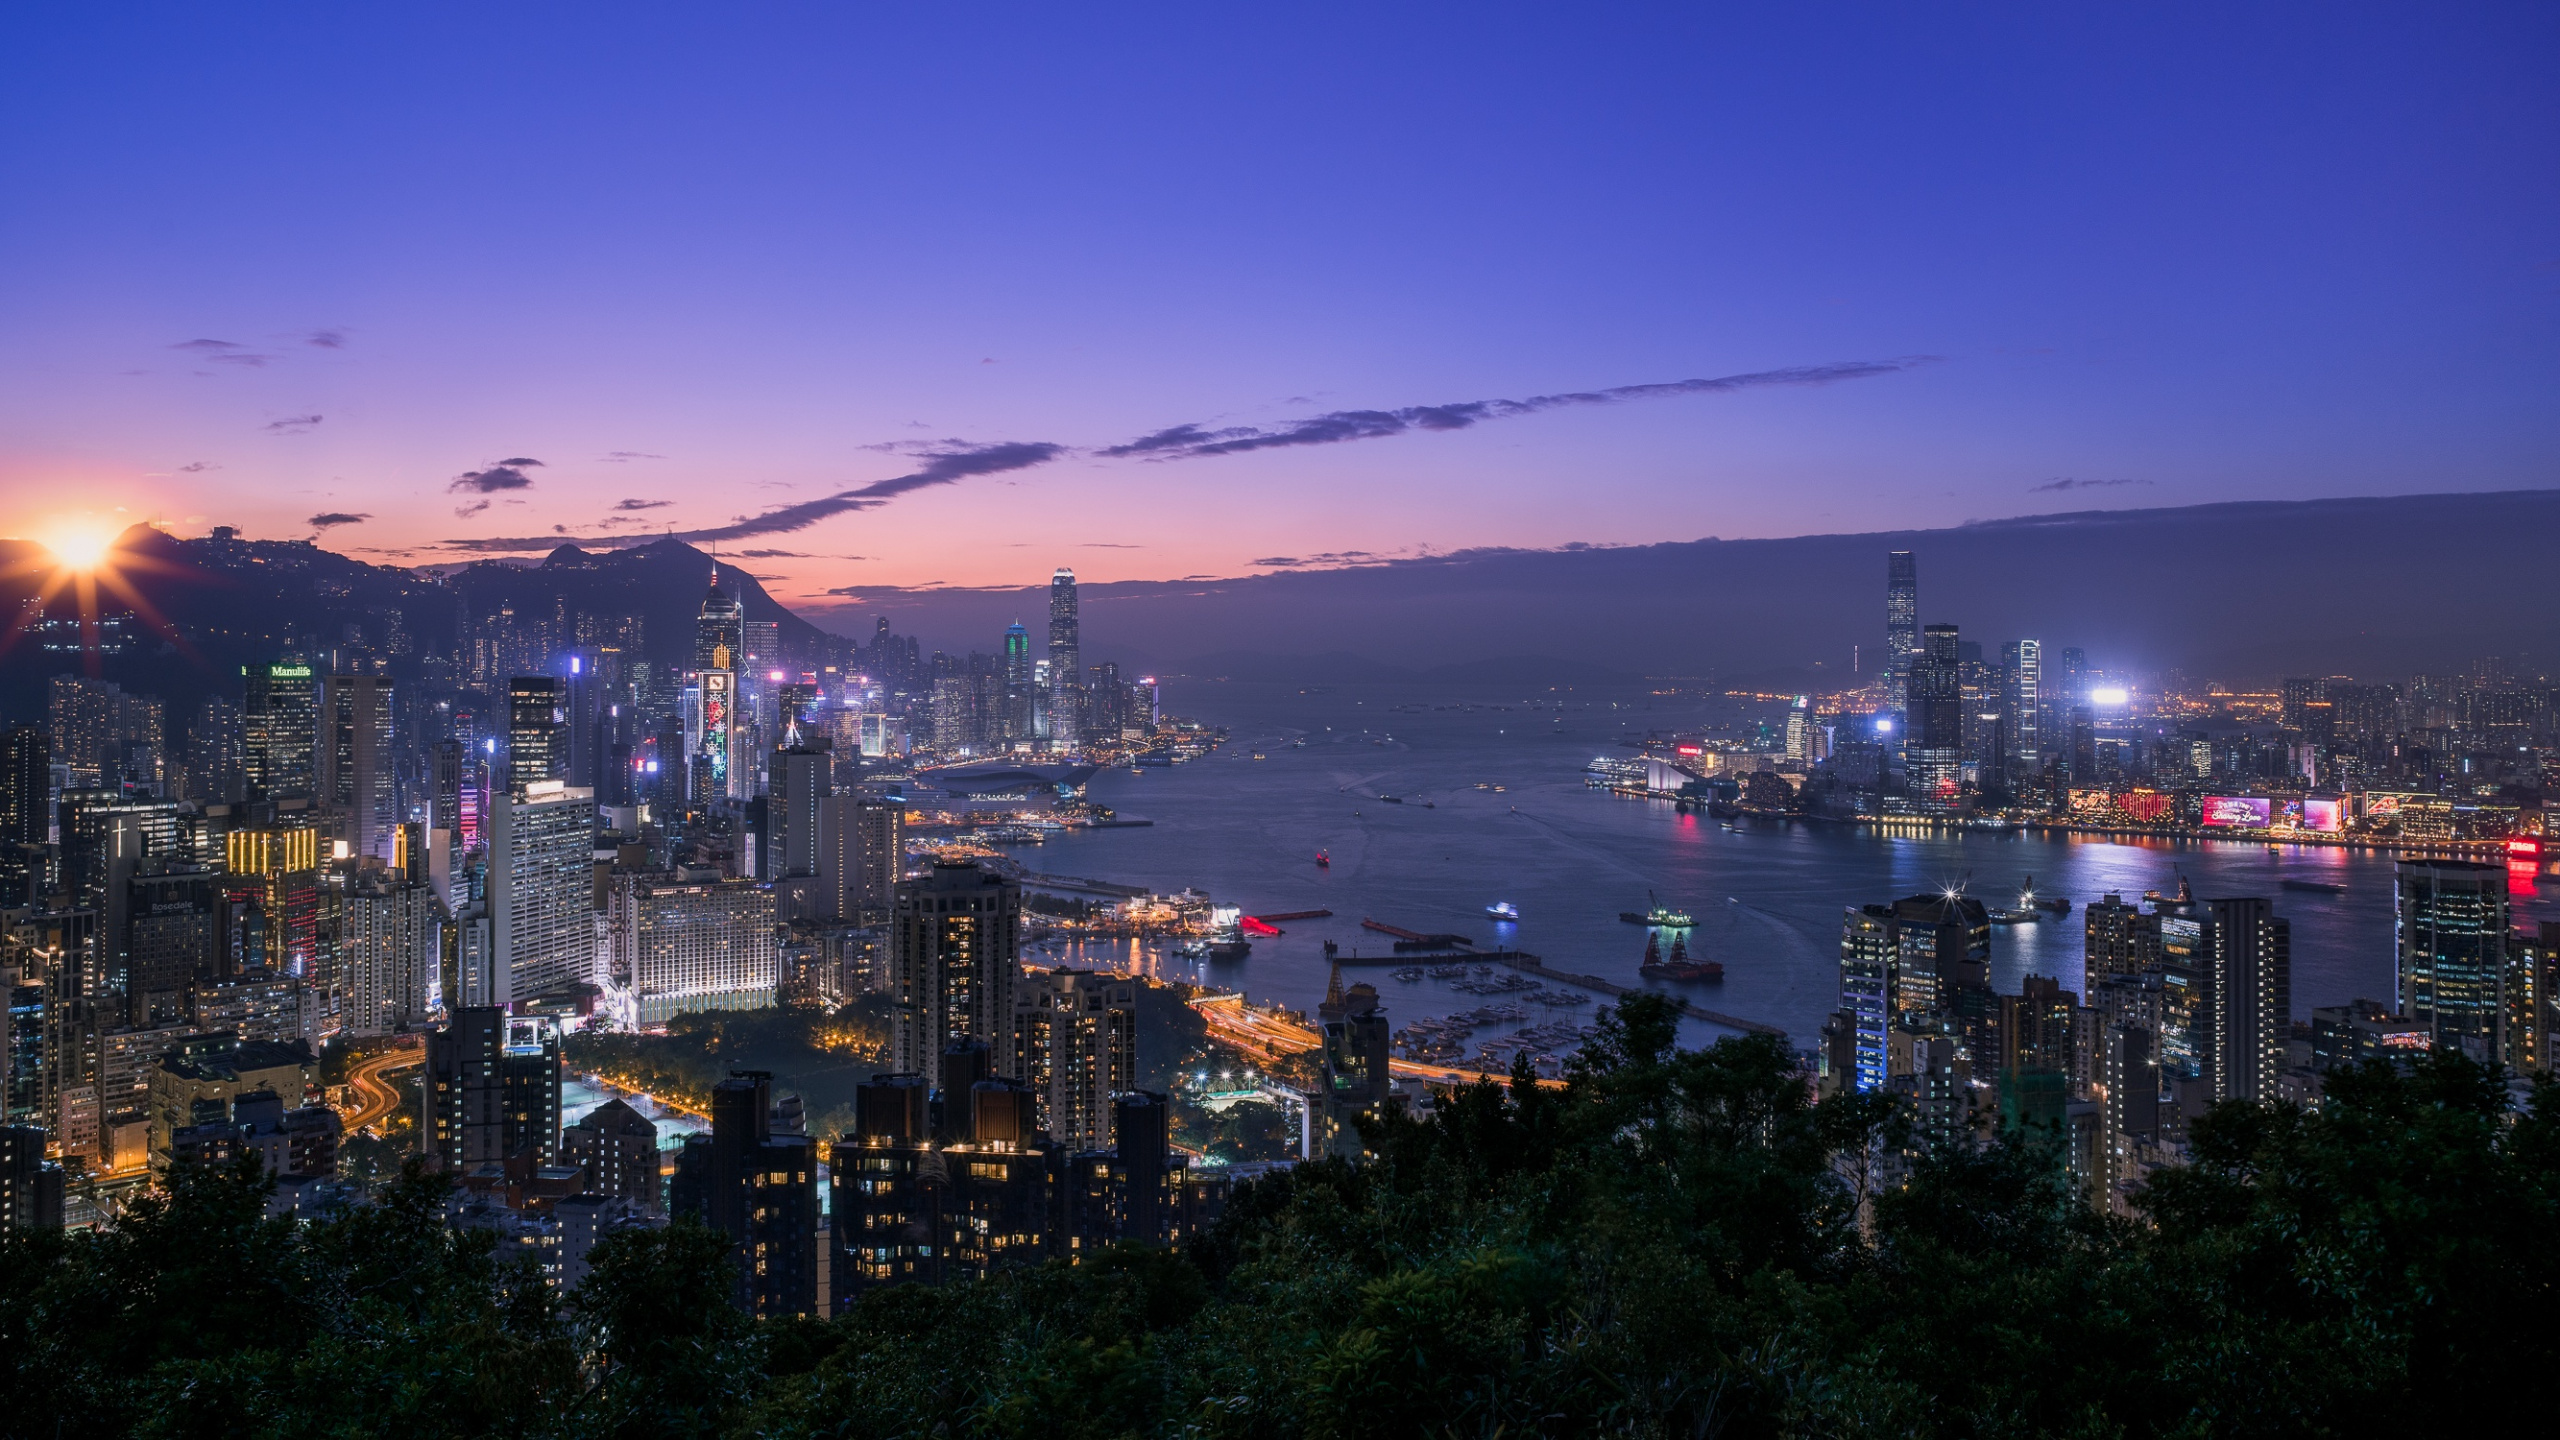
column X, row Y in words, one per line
column 2035, row 263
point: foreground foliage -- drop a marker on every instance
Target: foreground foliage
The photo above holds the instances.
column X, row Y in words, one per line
column 1663, row 1248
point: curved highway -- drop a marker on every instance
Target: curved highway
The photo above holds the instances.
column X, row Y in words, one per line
column 377, row 1098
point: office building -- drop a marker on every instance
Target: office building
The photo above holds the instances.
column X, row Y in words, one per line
column 1933, row 721
column 542, row 889
column 493, row 1089
column 759, row 1187
column 280, row 718
column 954, row 962
column 615, row 1149
column 358, row 779
column 798, row 783
column 861, row 855
column 1901, row 619
column 537, row 731
column 274, row 873
column 1076, row 1045
column 1066, row 664
column 1014, row 715
column 216, row 768
column 2022, row 666
column 694, row 942
column 2451, row 926
column 719, row 641
column 204, row 1075
column 2532, row 997
column 173, row 939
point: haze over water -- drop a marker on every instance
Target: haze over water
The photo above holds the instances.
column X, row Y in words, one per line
column 1767, row 896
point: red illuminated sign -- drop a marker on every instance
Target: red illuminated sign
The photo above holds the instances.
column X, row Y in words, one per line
column 2524, row 847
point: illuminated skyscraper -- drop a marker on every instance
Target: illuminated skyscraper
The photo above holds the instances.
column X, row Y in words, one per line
column 954, row 959
column 26, row 786
column 2451, row 920
column 282, row 717
column 720, row 626
column 1066, row 664
column 542, row 889
column 2024, row 662
column 1901, row 616
column 1933, row 726
column 2249, row 952
column 537, row 733
column 355, row 767
column 493, row 1089
column 1014, row 715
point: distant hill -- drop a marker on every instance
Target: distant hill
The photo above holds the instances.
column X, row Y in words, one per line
column 2375, row 587
column 221, row 604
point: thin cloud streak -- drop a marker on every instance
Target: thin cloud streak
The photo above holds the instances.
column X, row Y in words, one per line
column 1190, row 442
column 950, row 462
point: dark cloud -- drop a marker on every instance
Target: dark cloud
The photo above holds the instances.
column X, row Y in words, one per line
column 1279, row 561
column 338, row 517
column 642, row 504
column 1107, row 545
column 522, row 460
column 197, row 467
column 465, row 512
column 945, row 464
column 326, row 339
column 1188, row 442
column 505, row 475
column 2067, row 483
column 222, row 352
column 1330, row 559
column 854, row 591
column 777, row 555
column 620, row 457
column 291, row 424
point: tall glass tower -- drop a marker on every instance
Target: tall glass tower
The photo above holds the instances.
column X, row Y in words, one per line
column 1066, row 664
column 1015, row 720
column 1901, row 615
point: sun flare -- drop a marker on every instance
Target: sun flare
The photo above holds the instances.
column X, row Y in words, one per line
column 79, row 544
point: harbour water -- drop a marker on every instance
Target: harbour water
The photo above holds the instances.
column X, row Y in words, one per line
column 1767, row 895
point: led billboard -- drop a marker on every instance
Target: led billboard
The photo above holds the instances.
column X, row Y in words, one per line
column 2326, row 816
column 2237, row 812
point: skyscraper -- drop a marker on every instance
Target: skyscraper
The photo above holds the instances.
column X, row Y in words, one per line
column 861, row 852
column 493, row 1089
column 542, row 889
column 1901, row 617
column 2451, row 923
column 1076, row 1045
column 1066, row 664
column 719, row 640
column 26, row 786
column 2117, row 939
column 390, row 941
column 355, row 761
column 1933, row 727
column 799, row 781
column 2249, row 949
column 1015, row 714
column 954, row 960
column 537, row 739
column 2023, row 661
column 282, row 720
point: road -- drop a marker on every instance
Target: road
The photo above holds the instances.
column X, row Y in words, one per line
column 1272, row 1038
column 377, row 1098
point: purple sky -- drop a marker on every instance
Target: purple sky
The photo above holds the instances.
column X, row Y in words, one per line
column 910, row 275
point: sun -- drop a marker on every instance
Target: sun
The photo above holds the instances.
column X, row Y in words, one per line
column 79, row 544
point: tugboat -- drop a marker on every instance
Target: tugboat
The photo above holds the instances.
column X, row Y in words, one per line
column 1504, row 910
column 2030, row 908
column 1679, row 966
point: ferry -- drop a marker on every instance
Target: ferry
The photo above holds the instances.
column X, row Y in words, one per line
column 1504, row 910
